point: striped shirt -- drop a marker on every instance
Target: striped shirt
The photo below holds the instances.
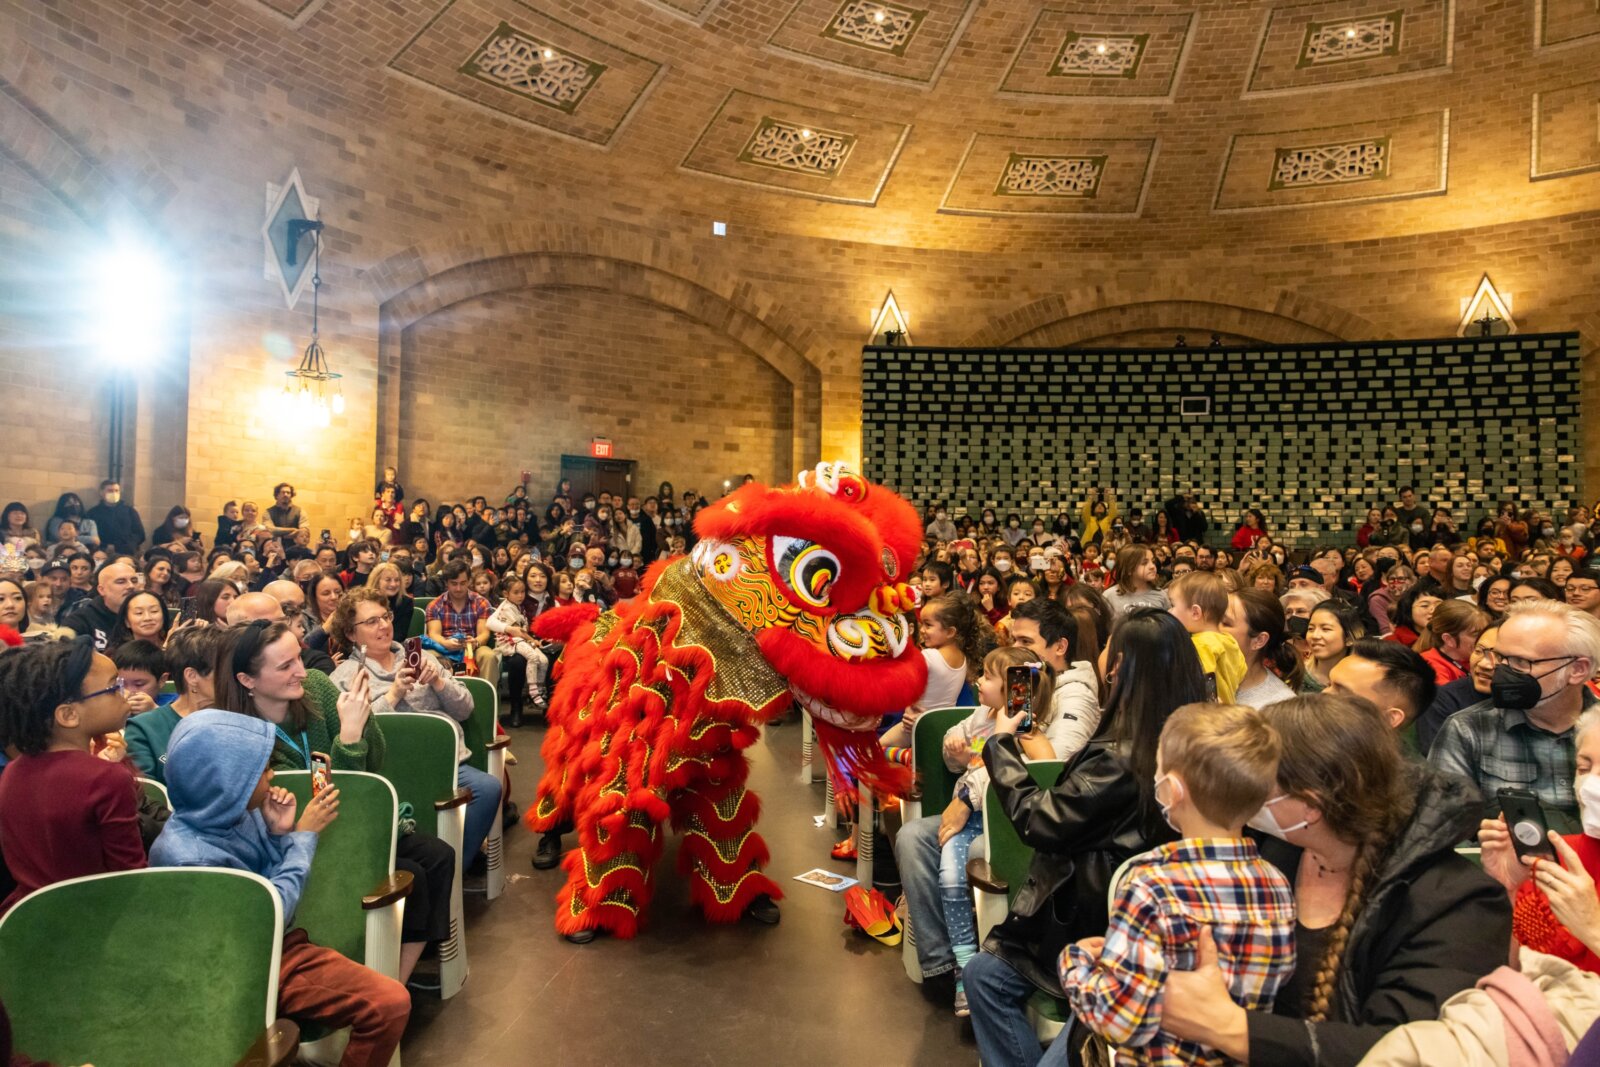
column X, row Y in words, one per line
column 1167, row 896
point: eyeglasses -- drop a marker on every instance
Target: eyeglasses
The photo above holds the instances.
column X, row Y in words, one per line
column 387, row 616
column 118, row 687
column 1520, row 664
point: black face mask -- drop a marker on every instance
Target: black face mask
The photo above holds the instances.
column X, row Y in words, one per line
column 1515, row 691
column 1297, row 626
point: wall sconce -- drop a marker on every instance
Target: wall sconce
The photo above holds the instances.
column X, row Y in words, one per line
column 890, row 324
column 1486, row 313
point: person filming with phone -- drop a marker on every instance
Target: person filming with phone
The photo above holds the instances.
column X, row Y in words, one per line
column 1524, row 736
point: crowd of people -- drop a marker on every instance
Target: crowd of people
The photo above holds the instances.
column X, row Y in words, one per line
column 1361, row 707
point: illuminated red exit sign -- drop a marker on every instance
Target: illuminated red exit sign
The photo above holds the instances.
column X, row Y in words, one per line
column 600, row 448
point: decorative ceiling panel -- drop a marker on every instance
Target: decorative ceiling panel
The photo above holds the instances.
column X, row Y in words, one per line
column 1381, row 159
column 510, row 58
column 1008, row 175
column 1100, row 54
column 908, row 40
column 1337, row 42
column 694, row 9
column 1566, row 131
column 796, row 148
column 1561, row 21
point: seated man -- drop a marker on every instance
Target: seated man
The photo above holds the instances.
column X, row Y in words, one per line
column 460, row 618
column 1397, row 681
column 1522, row 736
column 1461, row 693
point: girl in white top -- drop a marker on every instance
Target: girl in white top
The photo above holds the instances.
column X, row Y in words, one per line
column 510, row 628
column 955, row 636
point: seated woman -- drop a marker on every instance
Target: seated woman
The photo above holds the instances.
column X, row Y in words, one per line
column 256, row 671
column 1447, row 641
column 1272, row 670
column 382, row 676
column 1391, row 921
column 1101, row 811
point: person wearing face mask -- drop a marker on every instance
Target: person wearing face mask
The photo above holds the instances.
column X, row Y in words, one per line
column 941, row 528
column 1522, row 737
column 119, row 526
column 1013, row 532
column 177, row 527
column 1390, row 921
column 1555, row 906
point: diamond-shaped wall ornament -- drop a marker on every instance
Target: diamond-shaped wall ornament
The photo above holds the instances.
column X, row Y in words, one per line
column 285, row 202
column 890, row 320
column 1487, row 302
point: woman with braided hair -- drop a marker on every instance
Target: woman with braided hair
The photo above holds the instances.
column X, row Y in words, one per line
column 1391, row 922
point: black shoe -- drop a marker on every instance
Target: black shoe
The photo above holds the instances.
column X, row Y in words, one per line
column 548, row 852
column 764, row 909
column 516, row 719
column 582, row 937
column 509, row 815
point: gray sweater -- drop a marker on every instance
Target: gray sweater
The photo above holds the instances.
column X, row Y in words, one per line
column 450, row 701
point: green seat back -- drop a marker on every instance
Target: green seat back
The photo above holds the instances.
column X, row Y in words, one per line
column 354, row 854
column 938, row 782
column 167, row 965
column 168, row 688
column 1008, row 856
column 154, row 791
column 421, row 762
column 423, row 602
column 418, row 624
column 479, row 730
column 1471, row 853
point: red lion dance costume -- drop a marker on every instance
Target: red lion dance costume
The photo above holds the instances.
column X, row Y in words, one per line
column 792, row 594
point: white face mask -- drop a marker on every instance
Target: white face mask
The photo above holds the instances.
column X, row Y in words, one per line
column 181, row 522
column 1416, row 527
column 1267, row 822
column 1588, row 790
column 1002, row 565
column 1166, row 809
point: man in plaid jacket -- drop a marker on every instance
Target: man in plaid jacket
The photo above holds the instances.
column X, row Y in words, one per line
column 1216, row 768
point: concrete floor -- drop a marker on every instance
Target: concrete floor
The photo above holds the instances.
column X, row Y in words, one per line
column 806, row 992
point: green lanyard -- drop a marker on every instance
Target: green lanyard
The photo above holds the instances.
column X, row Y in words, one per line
column 304, row 747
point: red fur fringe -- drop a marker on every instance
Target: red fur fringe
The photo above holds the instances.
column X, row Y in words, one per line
column 855, row 756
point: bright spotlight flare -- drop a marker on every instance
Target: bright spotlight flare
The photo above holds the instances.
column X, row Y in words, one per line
column 130, row 303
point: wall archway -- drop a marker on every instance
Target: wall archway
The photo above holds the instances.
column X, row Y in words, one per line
column 754, row 332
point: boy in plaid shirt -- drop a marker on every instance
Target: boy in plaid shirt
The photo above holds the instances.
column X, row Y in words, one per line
column 1216, row 766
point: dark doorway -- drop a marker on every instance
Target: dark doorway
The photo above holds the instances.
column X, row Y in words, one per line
column 589, row 475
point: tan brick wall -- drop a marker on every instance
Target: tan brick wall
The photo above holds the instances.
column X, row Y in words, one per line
column 508, row 383
column 180, row 112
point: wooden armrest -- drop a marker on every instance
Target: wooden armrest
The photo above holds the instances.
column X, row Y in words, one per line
column 395, row 887
column 458, row 799
column 498, row 743
column 276, row 1047
column 981, row 877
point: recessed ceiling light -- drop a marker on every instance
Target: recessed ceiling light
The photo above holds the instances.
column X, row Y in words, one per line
column 805, row 135
column 1350, row 32
column 877, row 16
column 1101, row 49
column 549, row 53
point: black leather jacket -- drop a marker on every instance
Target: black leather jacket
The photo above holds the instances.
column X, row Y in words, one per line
column 1081, row 829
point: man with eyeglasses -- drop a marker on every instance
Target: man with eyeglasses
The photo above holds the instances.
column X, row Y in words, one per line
column 1522, row 737
column 1583, row 590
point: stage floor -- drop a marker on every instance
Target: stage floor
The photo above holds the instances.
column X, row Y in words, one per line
column 806, row 992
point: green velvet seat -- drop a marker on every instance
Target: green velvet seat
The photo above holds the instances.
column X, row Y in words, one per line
column 936, row 783
column 166, row 965
column 489, row 756
column 421, row 765
column 154, row 790
column 419, row 622
column 997, row 878
column 354, row 900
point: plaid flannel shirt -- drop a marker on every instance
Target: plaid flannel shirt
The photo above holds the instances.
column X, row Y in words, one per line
column 459, row 624
column 1498, row 748
column 1169, row 894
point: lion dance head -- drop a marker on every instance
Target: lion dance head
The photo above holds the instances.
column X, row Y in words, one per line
column 818, row 573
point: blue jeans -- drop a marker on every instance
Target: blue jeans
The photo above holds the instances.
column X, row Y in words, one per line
column 998, row 997
column 482, row 810
column 960, row 924
column 916, row 850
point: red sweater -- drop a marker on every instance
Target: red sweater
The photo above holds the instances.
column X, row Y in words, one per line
column 1445, row 669
column 1537, row 927
column 65, row 815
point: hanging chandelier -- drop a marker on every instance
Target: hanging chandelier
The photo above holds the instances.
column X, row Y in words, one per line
column 307, row 390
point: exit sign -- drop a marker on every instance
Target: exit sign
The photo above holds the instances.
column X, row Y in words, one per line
column 600, row 448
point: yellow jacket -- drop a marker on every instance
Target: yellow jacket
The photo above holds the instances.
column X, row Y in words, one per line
column 1220, row 655
column 1092, row 525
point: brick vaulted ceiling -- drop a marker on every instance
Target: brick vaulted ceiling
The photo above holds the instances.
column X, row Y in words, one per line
column 980, row 124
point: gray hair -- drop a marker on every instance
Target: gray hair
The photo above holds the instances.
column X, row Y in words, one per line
column 1582, row 629
column 1309, row 598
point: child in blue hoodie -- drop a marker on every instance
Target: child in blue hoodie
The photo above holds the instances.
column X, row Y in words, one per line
column 226, row 813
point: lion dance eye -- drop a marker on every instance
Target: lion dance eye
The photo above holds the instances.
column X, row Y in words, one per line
column 808, row 569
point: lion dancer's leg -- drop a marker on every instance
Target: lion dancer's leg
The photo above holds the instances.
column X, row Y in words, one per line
column 610, row 875
column 722, row 855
